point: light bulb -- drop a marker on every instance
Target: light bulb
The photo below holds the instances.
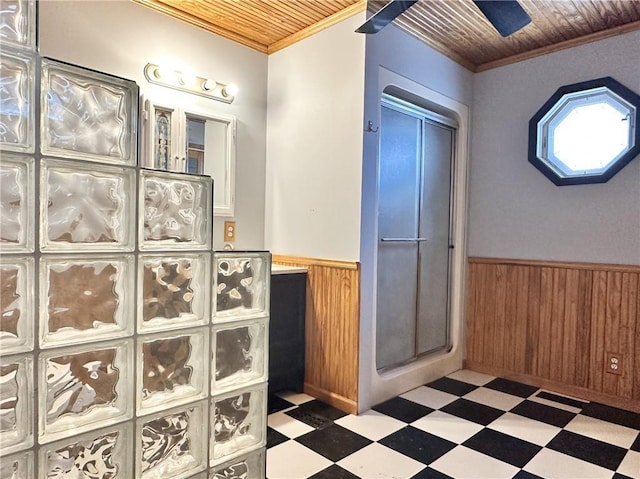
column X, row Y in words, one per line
column 208, row 85
column 231, row 90
column 159, row 73
column 186, row 78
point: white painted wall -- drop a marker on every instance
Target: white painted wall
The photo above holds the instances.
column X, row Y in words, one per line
column 516, row 212
column 314, row 145
column 395, row 58
column 120, row 37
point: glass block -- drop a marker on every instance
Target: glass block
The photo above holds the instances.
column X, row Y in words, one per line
column 249, row 466
column 17, row 466
column 85, row 298
column 16, row 403
column 16, row 304
column 239, row 354
column 84, row 388
column 172, row 443
column 238, row 423
column 106, row 453
column 18, row 23
column 173, row 291
column 86, row 208
column 17, row 77
column 172, row 369
column 242, row 282
column 88, row 115
column 16, row 204
column 176, row 210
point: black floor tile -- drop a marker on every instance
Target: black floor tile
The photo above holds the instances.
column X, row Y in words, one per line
column 321, row 409
column 334, row 472
column 526, row 475
column 473, row 411
column 541, row 412
column 316, row 414
column 417, row 444
column 620, row 476
column 310, row 419
column 428, row 473
column 511, row 387
column 561, row 399
column 403, row 409
column 276, row 403
column 452, row 386
column 636, row 445
column 587, row 449
column 274, row 437
column 612, row 414
column 503, row 447
column 334, row 442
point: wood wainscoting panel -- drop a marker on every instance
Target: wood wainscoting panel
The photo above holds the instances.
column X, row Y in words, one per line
column 332, row 329
column 556, row 322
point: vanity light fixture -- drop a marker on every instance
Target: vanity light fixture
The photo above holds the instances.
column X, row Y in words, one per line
column 190, row 83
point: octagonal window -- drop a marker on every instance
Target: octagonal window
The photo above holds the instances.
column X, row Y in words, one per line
column 585, row 133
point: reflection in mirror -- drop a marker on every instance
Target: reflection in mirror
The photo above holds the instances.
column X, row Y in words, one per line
column 196, row 143
column 209, row 153
column 162, row 139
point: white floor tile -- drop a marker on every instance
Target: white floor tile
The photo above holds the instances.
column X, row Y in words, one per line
column 291, row 460
column 471, row 377
column 429, row 397
column 287, row 425
column 295, row 398
column 496, row 399
column 630, row 465
column 379, row 462
column 464, row 463
column 524, row 428
column 551, row 464
column 449, row 427
column 603, row 431
column 371, row 424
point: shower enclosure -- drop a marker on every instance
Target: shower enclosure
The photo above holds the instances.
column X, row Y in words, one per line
column 412, row 245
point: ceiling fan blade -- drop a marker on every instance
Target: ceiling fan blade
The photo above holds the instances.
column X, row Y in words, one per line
column 506, row 16
column 385, row 15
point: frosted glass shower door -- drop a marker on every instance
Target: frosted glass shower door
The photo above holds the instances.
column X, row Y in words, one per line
column 398, row 212
column 413, row 235
column 433, row 282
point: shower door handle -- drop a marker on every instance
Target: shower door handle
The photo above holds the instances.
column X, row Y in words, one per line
column 403, row 240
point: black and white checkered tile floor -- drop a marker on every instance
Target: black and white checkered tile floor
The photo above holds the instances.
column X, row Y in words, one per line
column 466, row 425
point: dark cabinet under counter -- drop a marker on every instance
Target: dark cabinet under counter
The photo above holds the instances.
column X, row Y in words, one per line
column 287, row 329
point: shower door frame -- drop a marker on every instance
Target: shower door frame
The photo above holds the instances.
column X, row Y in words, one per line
column 425, row 116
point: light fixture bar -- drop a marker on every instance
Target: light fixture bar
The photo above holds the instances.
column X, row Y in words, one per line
column 196, row 85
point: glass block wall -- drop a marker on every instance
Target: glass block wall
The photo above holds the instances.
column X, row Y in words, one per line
column 128, row 347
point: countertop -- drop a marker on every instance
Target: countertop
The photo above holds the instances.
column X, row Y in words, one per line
column 281, row 269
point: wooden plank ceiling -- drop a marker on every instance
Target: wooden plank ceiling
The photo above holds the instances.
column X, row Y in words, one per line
column 455, row 28
column 458, row 29
column 265, row 25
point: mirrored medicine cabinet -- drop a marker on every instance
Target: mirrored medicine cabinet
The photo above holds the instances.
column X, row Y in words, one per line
column 193, row 142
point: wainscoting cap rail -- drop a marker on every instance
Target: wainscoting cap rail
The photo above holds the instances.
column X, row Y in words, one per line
column 304, row 261
column 622, row 268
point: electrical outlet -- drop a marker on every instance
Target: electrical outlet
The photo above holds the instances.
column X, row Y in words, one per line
column 614, row 364
column 229, row 231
